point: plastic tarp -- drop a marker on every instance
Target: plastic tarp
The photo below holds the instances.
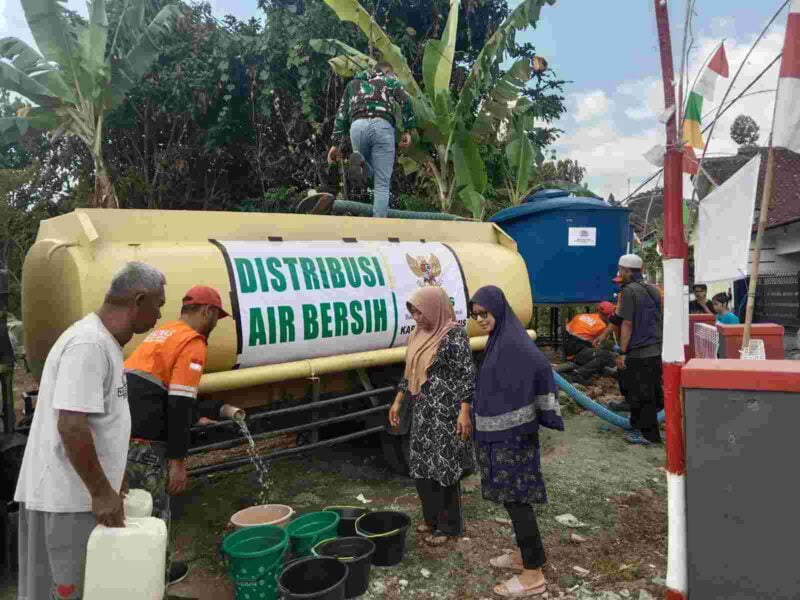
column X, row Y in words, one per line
column 725, row 226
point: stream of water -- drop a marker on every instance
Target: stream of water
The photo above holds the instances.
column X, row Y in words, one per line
column 260, row 466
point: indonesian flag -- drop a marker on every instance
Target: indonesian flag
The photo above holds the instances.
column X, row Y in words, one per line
column 786, row 129
column 703, row 90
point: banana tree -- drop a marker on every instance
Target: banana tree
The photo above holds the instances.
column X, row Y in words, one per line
column 79, row 75
column 452, row 128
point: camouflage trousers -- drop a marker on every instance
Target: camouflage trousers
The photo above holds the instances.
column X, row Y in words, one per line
column 148, row 470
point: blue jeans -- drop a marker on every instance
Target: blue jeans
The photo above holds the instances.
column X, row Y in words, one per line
column 374, row 140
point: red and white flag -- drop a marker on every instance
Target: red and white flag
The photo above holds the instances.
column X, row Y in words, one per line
column 786, row 129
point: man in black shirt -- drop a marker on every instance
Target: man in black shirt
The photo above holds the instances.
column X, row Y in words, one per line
column 701, row 304
column 639, row 318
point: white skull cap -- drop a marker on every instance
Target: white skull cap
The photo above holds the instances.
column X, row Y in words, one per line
column 630, row 261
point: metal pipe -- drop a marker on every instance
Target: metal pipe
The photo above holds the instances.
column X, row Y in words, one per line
column 292, row 409
column 226, row 466
column 278, row 432
column 314, row 367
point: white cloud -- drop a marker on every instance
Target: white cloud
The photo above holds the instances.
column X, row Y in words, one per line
column 646, row 96
column 609, row 135
column 590, row 105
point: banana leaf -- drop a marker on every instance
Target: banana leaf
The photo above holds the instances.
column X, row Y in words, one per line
column 93, row 39
column 520, row 156
column 346, row 61
column 134, row 15
column 473, row 201
column 498, row 105
column 56, row 85
column 53, row 36
column 21, row 56
column 469, row 166
column 129, row 71
column 481, row 76
column 437, row 62
column 352, row 11
column 17, row 81
column 12, row 129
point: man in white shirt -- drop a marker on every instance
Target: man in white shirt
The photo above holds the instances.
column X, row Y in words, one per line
column 74, row 464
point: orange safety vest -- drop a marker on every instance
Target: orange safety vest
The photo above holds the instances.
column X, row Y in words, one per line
column 586, row 326
column 173, row 357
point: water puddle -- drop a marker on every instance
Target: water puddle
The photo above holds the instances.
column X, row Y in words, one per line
column 260, row 465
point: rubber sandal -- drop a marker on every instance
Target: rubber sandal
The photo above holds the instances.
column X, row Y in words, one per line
column 437, row 539
column 513, row 588
column 424, row 528
column 505, row 562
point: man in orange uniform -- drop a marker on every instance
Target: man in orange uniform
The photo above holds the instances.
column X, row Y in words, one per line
column 582, row 330
column 163, row 376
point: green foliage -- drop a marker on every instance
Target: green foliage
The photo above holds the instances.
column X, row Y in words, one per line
column 79, row 75
column 452, row 127
column 745, row 131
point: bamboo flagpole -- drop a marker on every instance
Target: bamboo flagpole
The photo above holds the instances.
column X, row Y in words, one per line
column 785, row 133
column 769, row 180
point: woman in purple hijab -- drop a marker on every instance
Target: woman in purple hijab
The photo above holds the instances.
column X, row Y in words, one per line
column 515, row 394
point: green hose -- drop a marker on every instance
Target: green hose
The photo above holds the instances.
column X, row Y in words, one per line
column 359, row 209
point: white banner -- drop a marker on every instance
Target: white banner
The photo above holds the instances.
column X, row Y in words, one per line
column 725, row 227
column 296, row 300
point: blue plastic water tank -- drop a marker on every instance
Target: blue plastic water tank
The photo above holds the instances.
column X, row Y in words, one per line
column 570, row 245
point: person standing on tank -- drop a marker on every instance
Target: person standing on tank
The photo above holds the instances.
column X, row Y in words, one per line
column 438, row 383
column 515, row 395
column 639, row 317
column 163, row 375
column 72, row 475
column 367, row 111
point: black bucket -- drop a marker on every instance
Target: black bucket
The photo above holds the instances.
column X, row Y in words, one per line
column 357, row 553
column 313, row 578
column 348, row 515
column 388, row 529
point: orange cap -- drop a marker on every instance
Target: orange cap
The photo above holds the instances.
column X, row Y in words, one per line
column 606, row 308
column 203, row 294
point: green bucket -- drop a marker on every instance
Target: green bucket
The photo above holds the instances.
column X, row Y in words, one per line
column 309, row 530
column 254, row 557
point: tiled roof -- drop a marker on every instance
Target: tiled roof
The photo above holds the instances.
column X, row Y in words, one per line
column 786, row 206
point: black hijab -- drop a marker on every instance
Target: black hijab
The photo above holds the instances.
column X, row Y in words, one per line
column 514, row 373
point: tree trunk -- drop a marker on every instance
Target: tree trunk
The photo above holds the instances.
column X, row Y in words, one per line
column 104, row 195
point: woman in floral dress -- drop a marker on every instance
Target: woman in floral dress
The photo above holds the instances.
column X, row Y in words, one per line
column 438, row 383
column 515, row 394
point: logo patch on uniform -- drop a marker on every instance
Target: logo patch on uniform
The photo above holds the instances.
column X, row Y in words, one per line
column 159, row 336
column 195, row 366
column 122, row 391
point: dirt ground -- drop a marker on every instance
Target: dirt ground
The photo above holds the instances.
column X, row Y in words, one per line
column 618, row 491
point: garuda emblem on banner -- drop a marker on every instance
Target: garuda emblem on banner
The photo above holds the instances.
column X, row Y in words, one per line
column 428, row 269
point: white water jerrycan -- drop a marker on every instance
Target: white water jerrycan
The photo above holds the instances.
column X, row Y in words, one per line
column 138, row 504
column 127, row 563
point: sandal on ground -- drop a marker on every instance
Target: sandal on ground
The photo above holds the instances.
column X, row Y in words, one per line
column 505, row 562
column 513, row 588
column 437, row 538
column 424, row 528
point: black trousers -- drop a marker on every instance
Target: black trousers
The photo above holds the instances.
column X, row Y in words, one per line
column 526, row 530
column 645, row 394
column 593, row 360
column 441, row 506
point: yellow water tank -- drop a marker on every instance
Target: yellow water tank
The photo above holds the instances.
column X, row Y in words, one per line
column 299, row 286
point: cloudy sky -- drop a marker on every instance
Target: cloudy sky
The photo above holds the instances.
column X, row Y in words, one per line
column 609, row 51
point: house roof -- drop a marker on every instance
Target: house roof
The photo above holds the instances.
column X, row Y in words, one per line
column 786, row 206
